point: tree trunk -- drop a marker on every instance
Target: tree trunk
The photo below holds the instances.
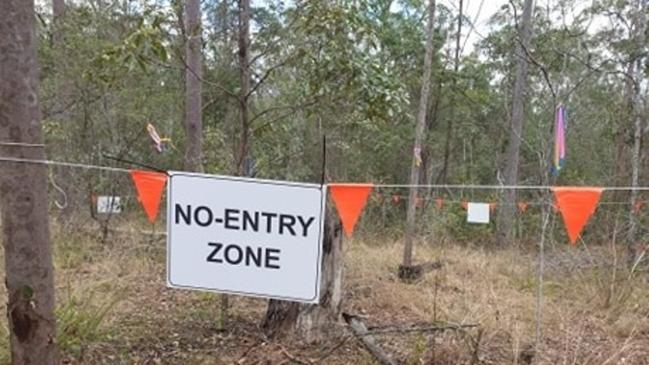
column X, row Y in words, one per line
column 241, row 157
column 23, row 193
column 310, row 322
column 636, row 157
column 193, row 87
column 449, row 131
column 636, row 117
column 58, row 11
column 64, row 177
column 419, row 137
column 507, row 209
column 244, row 79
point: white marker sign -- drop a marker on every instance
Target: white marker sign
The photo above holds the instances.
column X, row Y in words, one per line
column 244, row 236
column 109, row 204
column 478, row 213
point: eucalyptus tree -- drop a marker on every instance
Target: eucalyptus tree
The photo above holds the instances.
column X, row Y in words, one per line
column 507, row 210
column 335, row 63
column 193, row 86
column 417, row 148
column 23, row 193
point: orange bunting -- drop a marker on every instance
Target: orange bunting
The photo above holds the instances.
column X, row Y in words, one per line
column 350, row 200
column 396, row 199
column 522, row 206
column 465, row 205
column 576, row 205
column 492, row 207
column 637, row 207
column 149, row 186
column 439, row 202
column 419, row 202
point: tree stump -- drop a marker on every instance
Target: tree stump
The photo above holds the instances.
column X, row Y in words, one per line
column 313, row 322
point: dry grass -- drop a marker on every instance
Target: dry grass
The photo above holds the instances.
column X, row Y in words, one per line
column 115, row 309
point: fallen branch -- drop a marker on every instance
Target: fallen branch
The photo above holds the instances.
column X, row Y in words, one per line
column 432, row 328
column 361, row 333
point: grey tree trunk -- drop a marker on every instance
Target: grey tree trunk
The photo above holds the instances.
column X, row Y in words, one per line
column 193, row 87
column 58, row 11
column 507, row 208
column 635, row 108
column 636, row 158
column 58, row 40
column 23, row 193
column 456, row 67
column 63, row 103
column 419, row 137
column 309, row 322
column 244, row 80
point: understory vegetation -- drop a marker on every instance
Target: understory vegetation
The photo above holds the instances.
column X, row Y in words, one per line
column 113, row 306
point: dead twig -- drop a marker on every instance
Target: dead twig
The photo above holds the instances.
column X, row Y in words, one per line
column 294, row 358
column 359, row 329
column 406, row 329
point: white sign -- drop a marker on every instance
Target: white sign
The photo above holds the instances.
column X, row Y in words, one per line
column 244, row 236
column 109, row 204
column 478, row 213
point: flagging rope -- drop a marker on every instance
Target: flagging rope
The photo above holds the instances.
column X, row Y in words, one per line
column 501, row 187
column 21, row 144
column 61, row 163
column 385, row 186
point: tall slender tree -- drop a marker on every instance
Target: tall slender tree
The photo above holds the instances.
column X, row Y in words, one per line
column 23, row 193
column 449, row 126
column 634, row 97
column 244, row 86
column 507, row 208
column 58, row 12
column 193, row 87
column 419, row 138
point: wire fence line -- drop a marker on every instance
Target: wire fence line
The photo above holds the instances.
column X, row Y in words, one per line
column 375, row 185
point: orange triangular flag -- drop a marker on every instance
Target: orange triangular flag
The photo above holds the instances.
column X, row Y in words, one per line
column 419, row 202
column 396, row 199
column 149, row 186
column 522, row 207
column 638, row 206
column 576, row 205
column 439, row 202
column 350, row 200
column 492, row 206
column 465, row 205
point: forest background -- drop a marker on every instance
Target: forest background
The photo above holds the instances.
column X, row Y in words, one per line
column 395, row 92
